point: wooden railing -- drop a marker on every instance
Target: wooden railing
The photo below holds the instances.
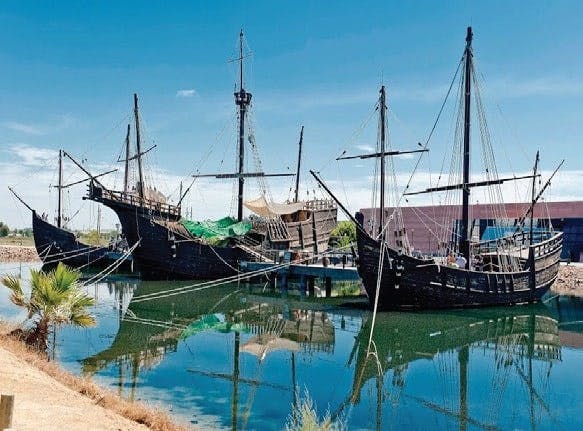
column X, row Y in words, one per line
column 319, row 204
column 520, row 239
column 133, row 200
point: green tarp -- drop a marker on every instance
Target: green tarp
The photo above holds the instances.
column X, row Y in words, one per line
column 219, row 230
column 211, row 322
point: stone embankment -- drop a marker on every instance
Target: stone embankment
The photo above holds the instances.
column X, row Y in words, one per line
column 570, row 280
column 18, row 253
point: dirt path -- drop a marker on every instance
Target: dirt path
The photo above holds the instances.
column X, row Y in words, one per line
column 41, row 403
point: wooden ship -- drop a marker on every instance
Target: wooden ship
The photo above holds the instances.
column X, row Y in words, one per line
column 513, row 269
column 55, row 243
column 170, row 247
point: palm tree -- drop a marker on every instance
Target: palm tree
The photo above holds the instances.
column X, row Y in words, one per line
column 56, row 298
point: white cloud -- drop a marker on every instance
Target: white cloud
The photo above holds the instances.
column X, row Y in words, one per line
column 543, row 86
column 32, row 156
column 364, row 147
column 55, row 124
column 186, row 93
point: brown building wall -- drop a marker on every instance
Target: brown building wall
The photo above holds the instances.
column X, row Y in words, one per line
column 420, row 221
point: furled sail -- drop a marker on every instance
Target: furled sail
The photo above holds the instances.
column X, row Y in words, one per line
column 262, row 207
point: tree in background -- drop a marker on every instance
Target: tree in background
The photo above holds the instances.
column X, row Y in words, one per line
column 56, row 298
column 4, row 230
column 94, row 238
column 343, row 234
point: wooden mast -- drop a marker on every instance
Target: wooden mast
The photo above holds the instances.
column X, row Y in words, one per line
column 382, row 107
column 138, row 147
column 299, row 163
column 533, row 197
column 464, row 243
column 242, row 100
column 127, row 162
column 60, row 191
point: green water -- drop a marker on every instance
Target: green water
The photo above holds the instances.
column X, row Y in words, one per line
column 236, row 356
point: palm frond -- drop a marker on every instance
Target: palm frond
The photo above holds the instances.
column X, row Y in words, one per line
column 55, row 298
column 17, row 295
column 65, row 277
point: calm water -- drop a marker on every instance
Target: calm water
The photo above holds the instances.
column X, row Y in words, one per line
column 232, row 358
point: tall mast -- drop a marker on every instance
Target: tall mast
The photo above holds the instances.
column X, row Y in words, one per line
column 464, row 244
column 127, row 165
column 299, row 163
column 533, row 196
column 382, row 107
column 138, row 147
column 242, row 100
column 60, row 189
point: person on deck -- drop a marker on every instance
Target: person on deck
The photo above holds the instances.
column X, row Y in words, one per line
column 461, row 261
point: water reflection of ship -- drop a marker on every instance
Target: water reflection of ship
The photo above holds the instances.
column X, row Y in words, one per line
column 515, row 336
column 274, row 327
column 311, row 330
column 149, row 330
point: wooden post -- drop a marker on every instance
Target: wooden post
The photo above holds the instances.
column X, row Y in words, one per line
column 311, row 289
column 303, row 285
column 283, row 279
column 6, row 407
column 328, row 282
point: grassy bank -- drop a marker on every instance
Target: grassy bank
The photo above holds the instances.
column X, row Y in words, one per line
column 12, row 240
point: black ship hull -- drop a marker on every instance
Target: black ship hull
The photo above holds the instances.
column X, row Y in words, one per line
column 164, row 254
column 54, row 245
column 167, row 251
column 407, row 282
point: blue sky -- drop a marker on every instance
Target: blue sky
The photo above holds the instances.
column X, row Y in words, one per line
column 68, row 71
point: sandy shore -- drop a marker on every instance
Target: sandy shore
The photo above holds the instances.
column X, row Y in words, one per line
column 49, row 398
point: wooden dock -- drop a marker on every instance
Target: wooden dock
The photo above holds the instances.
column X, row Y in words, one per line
column 303, row 273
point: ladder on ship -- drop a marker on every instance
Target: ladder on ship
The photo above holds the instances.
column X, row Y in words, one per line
column 277, row 230
column 251, row 247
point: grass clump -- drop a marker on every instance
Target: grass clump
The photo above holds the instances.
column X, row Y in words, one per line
column 304, row 417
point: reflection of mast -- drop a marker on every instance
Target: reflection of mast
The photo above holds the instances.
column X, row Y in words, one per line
column 235, row 405
column 531, row 342
column 379, row 400
column 294, row 383
column 120, row 377
column 463, row 358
